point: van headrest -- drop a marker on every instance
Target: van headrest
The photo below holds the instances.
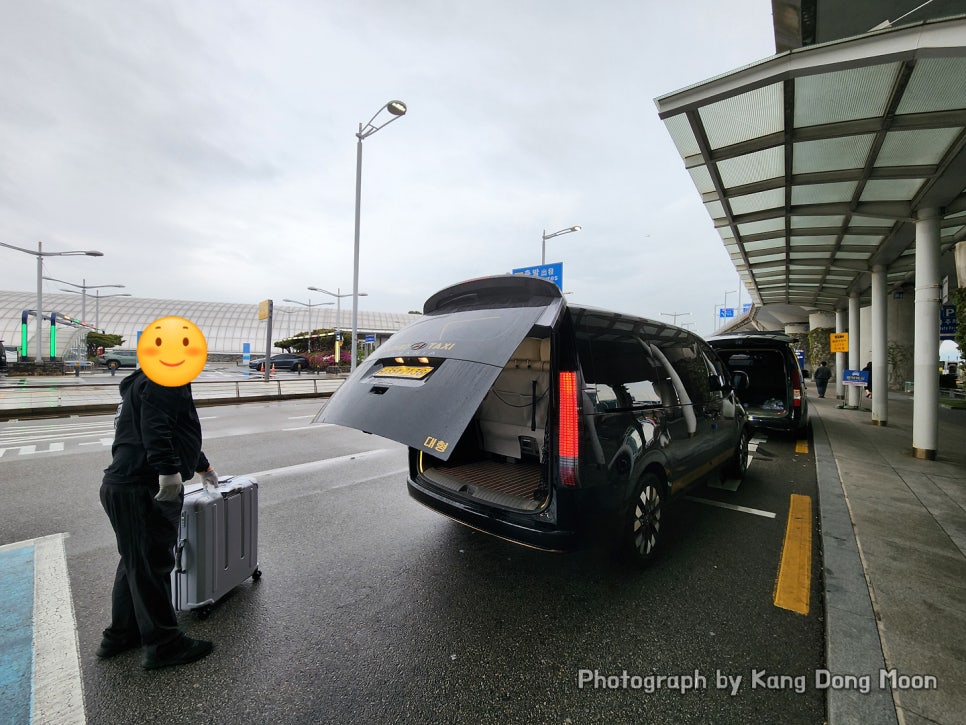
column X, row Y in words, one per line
column 545, row 350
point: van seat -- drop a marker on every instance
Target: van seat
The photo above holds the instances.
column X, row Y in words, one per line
column 506, row 413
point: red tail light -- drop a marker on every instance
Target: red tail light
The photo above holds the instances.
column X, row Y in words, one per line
column 568, row 441
column 796, row 388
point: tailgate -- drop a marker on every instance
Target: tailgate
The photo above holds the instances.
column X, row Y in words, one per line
column 423, row 385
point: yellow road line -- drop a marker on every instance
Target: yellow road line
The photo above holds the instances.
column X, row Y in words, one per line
column 793, row 585
column 801, row 446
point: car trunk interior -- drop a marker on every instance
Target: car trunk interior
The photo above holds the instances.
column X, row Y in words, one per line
column 767, row 391
column 501, row 457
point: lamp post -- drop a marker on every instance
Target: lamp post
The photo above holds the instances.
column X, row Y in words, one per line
column 310, row 306
column 40, row 254
column 676, row 315
column 83, row 287
column 97, row 301
column 395, row 109
column 338, row 313
column 543, row 247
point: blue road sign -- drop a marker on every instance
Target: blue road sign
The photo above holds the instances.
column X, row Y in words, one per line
column 551, row 272
column 855, row 377
column 726, row 312
column 745, row 308
column 947, row 322
column 370, row 338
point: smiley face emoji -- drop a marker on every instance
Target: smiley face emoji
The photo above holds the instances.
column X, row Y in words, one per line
column 172, row 351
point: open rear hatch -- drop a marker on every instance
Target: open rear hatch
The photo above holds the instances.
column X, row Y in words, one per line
column 424, row 385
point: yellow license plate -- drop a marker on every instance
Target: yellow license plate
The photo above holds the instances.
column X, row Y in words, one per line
column 404, row 371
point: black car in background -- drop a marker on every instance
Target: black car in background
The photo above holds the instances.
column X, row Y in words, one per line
column 775, row 397
column 282, row 361
column 544, row 423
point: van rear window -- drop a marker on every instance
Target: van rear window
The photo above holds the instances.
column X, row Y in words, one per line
column 487, row 336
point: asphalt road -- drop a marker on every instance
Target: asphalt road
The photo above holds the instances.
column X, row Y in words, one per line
column 373, row 609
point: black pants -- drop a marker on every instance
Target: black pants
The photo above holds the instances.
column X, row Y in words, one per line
column 146, row 532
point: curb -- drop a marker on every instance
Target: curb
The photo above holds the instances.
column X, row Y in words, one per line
column 852, row 643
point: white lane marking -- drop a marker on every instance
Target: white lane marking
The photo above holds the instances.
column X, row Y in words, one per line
column 318, row 426
column 58, row 437
column 101, row 442
column 324, row 463
column 31, row 450
column 733, row 507
column 58, row 694
column 24, row 429
column 299, row 417
column 207, row 417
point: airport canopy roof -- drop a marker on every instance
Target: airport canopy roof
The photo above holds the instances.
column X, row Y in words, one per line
column 813, row 164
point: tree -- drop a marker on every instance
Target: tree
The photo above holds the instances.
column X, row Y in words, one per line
column 99, row 339
column 817, row 346
column 960, row 337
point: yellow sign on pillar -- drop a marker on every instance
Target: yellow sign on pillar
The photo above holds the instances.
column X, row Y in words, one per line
column 264, row 309
column 839, row 342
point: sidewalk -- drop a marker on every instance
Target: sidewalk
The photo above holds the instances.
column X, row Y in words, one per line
column 894, row 551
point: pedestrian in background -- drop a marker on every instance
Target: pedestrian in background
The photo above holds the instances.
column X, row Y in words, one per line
column 822, row 376
column 157, row 446
column 868, row 381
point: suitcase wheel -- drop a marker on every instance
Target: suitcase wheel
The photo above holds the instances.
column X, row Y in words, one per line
column 256, row 575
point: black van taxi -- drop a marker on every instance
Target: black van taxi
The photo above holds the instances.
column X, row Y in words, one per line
column 542, row 422
column 775, row 398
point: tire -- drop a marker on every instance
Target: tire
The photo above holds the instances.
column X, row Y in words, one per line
column 738, row 465
column 645, row 520
column 113, row 365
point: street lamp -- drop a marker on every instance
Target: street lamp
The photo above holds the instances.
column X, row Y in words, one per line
column 543, row 247
column 310, row 306
column 83, row 287
column 97, row 301
column 40, row 254
column 395, row 109
column 676, row 315
column 338, row 313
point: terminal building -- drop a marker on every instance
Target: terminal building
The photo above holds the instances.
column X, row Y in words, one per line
column 227, row 326
column 834, row 173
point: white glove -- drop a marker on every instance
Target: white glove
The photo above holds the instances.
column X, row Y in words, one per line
column 209, row 479
column 170, row 487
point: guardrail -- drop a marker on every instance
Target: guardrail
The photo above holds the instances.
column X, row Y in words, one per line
column 27, row 400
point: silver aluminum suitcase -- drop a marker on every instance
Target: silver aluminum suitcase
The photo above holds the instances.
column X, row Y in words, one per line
column 217, row 545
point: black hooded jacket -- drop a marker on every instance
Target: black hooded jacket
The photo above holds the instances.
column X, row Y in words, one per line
column 156, row 431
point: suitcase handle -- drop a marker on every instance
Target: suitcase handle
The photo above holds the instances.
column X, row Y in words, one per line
column 178, row 550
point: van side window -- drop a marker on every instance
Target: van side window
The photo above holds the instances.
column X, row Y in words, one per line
column 690, row 365
column 717, row 373
column 621, row 372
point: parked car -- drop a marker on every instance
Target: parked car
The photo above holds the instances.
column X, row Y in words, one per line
column 3, row 356
column 118, row 358
column 282, row 361
column 775, row 398
column 544, row 423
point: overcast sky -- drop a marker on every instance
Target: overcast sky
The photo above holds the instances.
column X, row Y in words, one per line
column 208, row 147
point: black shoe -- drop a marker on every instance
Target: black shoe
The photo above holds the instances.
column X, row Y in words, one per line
column 111, row 647
column 180, row 652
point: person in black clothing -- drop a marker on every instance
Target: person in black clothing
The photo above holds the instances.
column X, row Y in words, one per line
column 822, row 376
column 157, row 446
column 868, row 382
